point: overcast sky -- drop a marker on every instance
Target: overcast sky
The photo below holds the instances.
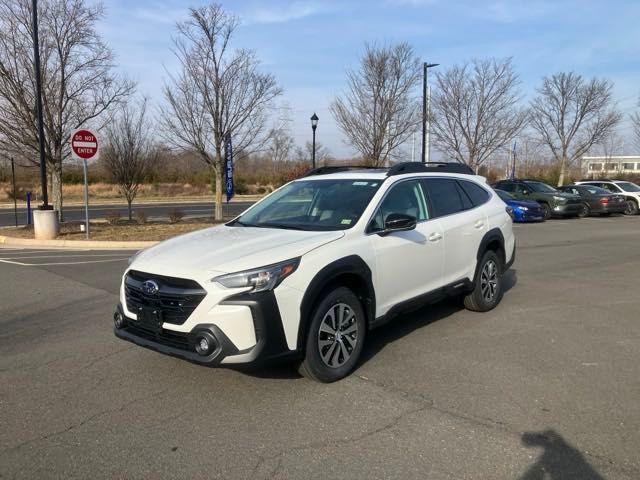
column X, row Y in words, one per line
column 308, row 45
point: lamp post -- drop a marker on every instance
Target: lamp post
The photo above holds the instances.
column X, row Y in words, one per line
column 36, row 67
column 314, row 125
column 425, row 112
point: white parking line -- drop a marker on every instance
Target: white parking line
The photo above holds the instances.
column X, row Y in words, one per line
column 61, row 263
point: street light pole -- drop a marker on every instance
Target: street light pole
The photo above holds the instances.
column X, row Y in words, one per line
column 314, row 125
column 425, row 111
column 36, row 65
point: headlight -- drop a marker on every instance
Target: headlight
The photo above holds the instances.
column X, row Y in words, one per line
column 260, row 279
column 523, row 209
column 559, row 199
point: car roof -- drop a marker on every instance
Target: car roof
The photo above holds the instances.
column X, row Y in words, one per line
column 382, row 174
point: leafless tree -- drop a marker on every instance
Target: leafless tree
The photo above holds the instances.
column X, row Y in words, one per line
column 78, row 82
column 379, row 111
column 218, row 91
column 635, row 121
column 475, row 110
column 280, row 145
column 571, row 115
column 129, row 153
column 305, row 154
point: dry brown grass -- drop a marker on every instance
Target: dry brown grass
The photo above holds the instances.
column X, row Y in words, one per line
column 154, row 231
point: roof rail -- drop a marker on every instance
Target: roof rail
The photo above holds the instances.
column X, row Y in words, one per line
column 419, row 167
column 337, row 168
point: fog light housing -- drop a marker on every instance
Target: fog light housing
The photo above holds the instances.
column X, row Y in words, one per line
column 118, row 320
column 205, row 344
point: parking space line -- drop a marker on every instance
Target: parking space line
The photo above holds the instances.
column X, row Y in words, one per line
column 62, row 263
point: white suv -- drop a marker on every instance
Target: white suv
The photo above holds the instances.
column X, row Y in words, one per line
column 630, row 191
column 306, row 272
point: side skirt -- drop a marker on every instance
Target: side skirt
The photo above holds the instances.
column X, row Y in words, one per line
column 451, row 290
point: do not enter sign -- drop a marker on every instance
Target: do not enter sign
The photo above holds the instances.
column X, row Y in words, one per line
column 84, row 144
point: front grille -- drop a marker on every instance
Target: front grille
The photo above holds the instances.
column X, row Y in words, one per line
column 176, row 298
column 167, row 338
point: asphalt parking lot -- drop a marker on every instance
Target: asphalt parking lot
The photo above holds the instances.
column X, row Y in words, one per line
column 545, row 386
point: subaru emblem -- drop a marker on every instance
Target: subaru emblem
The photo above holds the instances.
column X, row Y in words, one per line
column 150, row 287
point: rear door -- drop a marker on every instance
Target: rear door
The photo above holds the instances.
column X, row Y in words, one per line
column 464, row 223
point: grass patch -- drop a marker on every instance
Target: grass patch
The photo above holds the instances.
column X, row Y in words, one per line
column 123, row 231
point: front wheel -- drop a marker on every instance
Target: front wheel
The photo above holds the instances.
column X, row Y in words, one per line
column 487, row 291
column 335, row 337
column 631, row 208
column 546, row 211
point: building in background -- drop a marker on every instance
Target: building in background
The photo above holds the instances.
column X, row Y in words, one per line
column 611, row 165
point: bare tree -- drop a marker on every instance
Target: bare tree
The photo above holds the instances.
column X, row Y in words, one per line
column 475, row 110
column 129, row 153
column 219, row 91
column 572, row 115
column 305, row 154
column 379, row 110
column 78, row 82
column 635, row 121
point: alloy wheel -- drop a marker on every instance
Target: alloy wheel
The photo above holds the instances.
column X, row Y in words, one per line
column 489, row 280
column 337, row 335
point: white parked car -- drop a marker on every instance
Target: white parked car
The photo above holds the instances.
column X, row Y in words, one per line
column 306, row 272
column 630, row 191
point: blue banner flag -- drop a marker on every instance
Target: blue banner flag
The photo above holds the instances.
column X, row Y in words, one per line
column 228, row 166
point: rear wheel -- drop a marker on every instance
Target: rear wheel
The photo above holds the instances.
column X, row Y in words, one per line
column 585, row 211
column 546, row 211
column 631, row 208
column 487, row 291
column 335, row 339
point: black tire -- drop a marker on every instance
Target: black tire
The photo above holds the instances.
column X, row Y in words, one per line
column 337, row 357
column 546, row 211
column 585, row 211
column 632, row 207
column 479, row 300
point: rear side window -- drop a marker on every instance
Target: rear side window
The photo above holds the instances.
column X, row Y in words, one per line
column 445, row 196
column 506, row 186
column 476, row 193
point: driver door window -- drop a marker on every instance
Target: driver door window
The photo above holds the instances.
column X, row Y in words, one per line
column 407, row 198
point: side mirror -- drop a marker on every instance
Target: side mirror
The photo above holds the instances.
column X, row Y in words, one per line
column 398, row 222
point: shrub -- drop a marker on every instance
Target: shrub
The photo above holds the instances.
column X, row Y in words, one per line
column 141, row 216
column 175, row 215
column 113, row 217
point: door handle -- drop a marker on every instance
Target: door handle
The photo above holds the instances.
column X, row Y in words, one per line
column 435, row 237
column 478, row 224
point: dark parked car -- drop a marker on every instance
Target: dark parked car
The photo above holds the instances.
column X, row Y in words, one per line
column 596, row 200
column 553, row 202
column 522, row 210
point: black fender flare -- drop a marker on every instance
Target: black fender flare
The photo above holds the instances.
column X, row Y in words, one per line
column 352, row 265
column 493, row 235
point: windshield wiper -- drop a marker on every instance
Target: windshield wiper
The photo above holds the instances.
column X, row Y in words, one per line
column 282, row 225
column 243, row 224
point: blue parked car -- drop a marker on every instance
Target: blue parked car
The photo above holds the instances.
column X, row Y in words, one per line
column 523, row 210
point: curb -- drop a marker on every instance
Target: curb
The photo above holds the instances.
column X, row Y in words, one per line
column 102, row 202
column 91, row 244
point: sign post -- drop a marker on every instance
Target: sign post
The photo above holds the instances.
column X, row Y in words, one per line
column 84, row 146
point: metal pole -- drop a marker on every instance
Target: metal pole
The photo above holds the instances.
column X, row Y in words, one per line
column 313, row 153
column 28, row 208
column 428, row 138
column 413, row 147
column 86, row 198
column 424, row 112
column 36, row 65
column 15, row 202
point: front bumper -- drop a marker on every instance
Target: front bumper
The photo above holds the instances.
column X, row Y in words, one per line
column 566, row 210
column 270, row 338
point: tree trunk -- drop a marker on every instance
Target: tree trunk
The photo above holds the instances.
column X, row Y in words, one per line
column 218, row 214
column 129, row 208
column 562, row 167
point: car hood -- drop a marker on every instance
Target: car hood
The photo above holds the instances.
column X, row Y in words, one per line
column 225, row 249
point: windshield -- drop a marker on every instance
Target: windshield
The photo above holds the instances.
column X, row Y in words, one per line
column 597, row 190
column 505, row 195
column 628, row 186
column 312, row 205
column 541, row 187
